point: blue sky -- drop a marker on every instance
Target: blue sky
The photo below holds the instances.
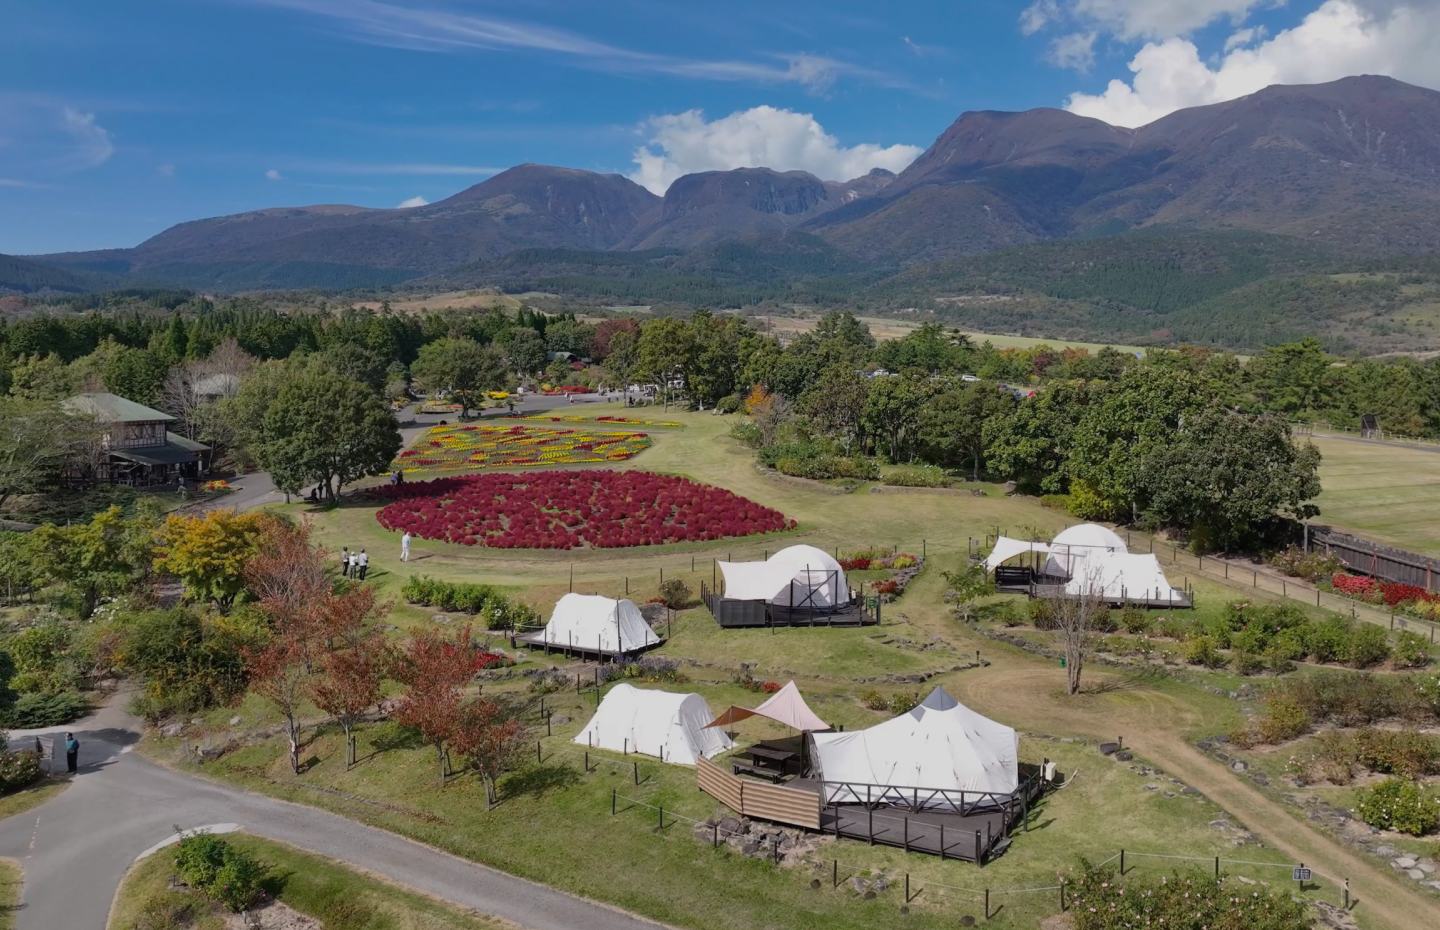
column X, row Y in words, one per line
column 118, row 120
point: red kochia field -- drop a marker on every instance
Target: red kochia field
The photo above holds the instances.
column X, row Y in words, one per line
column 566, row 509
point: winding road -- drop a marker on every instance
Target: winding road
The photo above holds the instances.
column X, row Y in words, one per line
column 76, row 847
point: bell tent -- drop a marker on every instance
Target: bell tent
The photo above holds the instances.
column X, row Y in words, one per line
column 797, row 576
column 669, row 726
column 940, row 746
column 1071, row 547
column 589, row 621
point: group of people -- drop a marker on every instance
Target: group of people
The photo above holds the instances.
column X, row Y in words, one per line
column 354, row 564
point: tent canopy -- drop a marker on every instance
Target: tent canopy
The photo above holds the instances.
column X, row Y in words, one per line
column 793, row 577
column 940, row 744
column 1007, row 548
column 1071, row 547
column 663, row 724
column 1118, row 576
column 785, row 706
column 589, row 621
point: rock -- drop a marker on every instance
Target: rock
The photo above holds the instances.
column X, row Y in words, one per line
column 880, row 883
column 858, row 884
column 1190, row 791
column 1261, row 779
column 235, row 720
column 1434, row 885
column 1404, row 862
column 1385, row 851
column 1152, row 787
column 1107, row 749
column 750, row 849
column 558, row 719
column 1425, row 865
column 1168, row 794
column 1416, row 874
column 1238, row 766
column 1124, row 755
column 1219, row 824
column 1244, row 881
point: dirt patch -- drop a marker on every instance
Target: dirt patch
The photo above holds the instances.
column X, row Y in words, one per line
column 273, row 916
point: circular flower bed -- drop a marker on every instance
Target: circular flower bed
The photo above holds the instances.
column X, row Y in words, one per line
column 496, row 446
column 567, row 509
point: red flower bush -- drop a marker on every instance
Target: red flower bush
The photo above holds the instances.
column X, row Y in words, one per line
column 1353, row 585
column 1391, row 593
column 568, row 509
column 855, row 565
column 771, row 687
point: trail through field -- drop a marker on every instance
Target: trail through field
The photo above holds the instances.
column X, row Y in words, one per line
column 1153, row 725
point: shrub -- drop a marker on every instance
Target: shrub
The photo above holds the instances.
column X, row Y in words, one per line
column 1310, row 566
column 1328, row 639
column 904, row 702
column 1411, row 650
column 828, row 466
column 1248, row 663
column 1284, row 719
column 1102, row 900
column 913, row 476
column 219, row 871
column 874, row 700
column 1201, row 650
column 1366, row 645
column 730, row 403
column 167, row 911
column 1134, row 619
column 1042, row 614
column 18, row 770
column 748, row 432
column 675, row 594
column 32, row 710
column 1398, row 804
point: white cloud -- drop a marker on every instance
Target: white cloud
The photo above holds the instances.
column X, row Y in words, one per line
column 92, row 142
column 1338, row 39
column 412, row 202
column 684, row 143
column 420, row 27
column 1038, row 15
column 1076, row 51
column 1243, row 37
column 273, row 175
column 1136, row 19
column 41, row 137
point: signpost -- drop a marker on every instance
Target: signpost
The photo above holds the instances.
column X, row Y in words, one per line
column 1301, row 875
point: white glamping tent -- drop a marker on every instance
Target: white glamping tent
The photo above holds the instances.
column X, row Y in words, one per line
column 589, row 621
column 940, row 745
column 1072, row 547
column 1006, row 549
column 1118, row 577
column 669, row 726
column 798, row 576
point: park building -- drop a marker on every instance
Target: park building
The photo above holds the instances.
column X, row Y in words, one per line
column 135, row 445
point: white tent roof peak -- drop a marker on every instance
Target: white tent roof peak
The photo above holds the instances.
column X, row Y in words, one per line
column 794, row 576
column 591, row 621
column 784, row 706
column 1006, row 549
column 803, row 556
column 1090, row 536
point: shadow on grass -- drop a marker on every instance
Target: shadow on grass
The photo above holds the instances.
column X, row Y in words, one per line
column 390, row 737
column 538, row 780
column 274, row 883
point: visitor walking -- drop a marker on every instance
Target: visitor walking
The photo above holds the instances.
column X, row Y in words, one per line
column 405, row 547
column 72, row 753
column 362, row 562
column 345, row 562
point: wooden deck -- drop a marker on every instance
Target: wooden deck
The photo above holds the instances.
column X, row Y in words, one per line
column 948, row 834
column 536, row 640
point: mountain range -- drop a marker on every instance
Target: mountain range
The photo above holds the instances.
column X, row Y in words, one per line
column 1349, row 169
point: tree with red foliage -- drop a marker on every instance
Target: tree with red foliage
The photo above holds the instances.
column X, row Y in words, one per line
column 354, row 666
column 435, row 671
column 490, row 736
column 290, row 577
column 280, row 673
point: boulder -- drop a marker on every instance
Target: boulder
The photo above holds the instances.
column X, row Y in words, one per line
column 1404, row 862
column 171, row 730
column 1124, row 755
column 1238, row 766
column 1107, row 749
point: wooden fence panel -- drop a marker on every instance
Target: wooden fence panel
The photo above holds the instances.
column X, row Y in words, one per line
column 753, row 799
column 718, row 783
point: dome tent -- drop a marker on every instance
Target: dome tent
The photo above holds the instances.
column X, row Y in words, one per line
column 793, row 577
column 1070, row 548
column 589, row 621
column 669, row 726
column 939, row 744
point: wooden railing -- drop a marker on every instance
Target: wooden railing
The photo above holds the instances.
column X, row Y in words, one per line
column 753, row 799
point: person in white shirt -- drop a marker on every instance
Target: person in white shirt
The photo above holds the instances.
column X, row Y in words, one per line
column 405, row 547
column 363, row 563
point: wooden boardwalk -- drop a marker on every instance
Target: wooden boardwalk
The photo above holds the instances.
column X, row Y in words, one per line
column 948, row 834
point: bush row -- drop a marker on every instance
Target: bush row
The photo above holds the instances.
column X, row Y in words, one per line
column 33, row 710
column 1104, row 900
column 1338, row 756
column 1400, row 804
column 18, row 770
column 496, row 610
column 1344, row 699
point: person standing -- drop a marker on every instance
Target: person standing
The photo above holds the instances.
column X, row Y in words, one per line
column 345, row 562
column 72, row 753
column 405, row 547
column 362, row 562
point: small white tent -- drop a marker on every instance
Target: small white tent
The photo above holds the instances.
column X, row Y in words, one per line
column 669, row 726
column 1070, row 548
column 1006, row 549
column 940, row 744
column 1122, row 576
column 797, row 576
column 589, row 621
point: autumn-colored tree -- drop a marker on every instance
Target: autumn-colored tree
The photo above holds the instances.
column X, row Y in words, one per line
column 280, row 673
column 435, row 670
column 209, row 551
column 291, row 579
column 490, row 736
column 354, row 666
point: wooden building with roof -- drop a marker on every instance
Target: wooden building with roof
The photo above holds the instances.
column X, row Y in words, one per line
column 137, row 447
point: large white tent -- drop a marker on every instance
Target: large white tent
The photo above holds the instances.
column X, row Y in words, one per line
column 1071, row 547
column 589, row 621
column 669, row 726
column 940, row 744
column 1123, row 576
column 1006, row 549
column 793, row 577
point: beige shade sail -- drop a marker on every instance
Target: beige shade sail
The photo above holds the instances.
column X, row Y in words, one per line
column 784, row 706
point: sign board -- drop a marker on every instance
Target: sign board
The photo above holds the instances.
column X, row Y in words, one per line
column 1301, row 875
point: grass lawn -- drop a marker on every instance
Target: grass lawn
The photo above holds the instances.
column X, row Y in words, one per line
column 339, row 897
column 1382, row 492
column 23, row 800
column 11, row 880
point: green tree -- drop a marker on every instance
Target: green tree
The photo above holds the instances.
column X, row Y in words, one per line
column 37, row 377
column 666, row 351
column 845, row 329
column 328, row 429
column 952, row 423
column 526, row 350
column 718, row 361
column 1226, row 477
column 356, row 361
column 137, row 374
column 1293, row 378
column 929, row 349
column 622, row 354
column 38, row 439
column 567, row 335
column 101, row 558
column 892, row 413
column 837, row 404
column 462, row 367
column 1032, row 445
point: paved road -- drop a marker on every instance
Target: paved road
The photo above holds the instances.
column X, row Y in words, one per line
column 76, row 848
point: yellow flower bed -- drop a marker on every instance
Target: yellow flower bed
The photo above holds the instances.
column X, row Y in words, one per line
column 597, row 420
column 455, row 448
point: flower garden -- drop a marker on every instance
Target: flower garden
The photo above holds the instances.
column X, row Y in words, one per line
column 571, row 509
column 451, row 448
column 1408, row 597
column 554, row 418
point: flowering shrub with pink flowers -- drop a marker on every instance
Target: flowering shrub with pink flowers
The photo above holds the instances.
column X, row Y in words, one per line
column 570, row 509
column 1102, row 899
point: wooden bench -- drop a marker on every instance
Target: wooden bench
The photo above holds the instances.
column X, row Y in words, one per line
column 744, row 768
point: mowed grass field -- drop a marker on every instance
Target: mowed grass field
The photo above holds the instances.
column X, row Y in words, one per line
column 884, row 328
column 554, row 823
column 1388, row 493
